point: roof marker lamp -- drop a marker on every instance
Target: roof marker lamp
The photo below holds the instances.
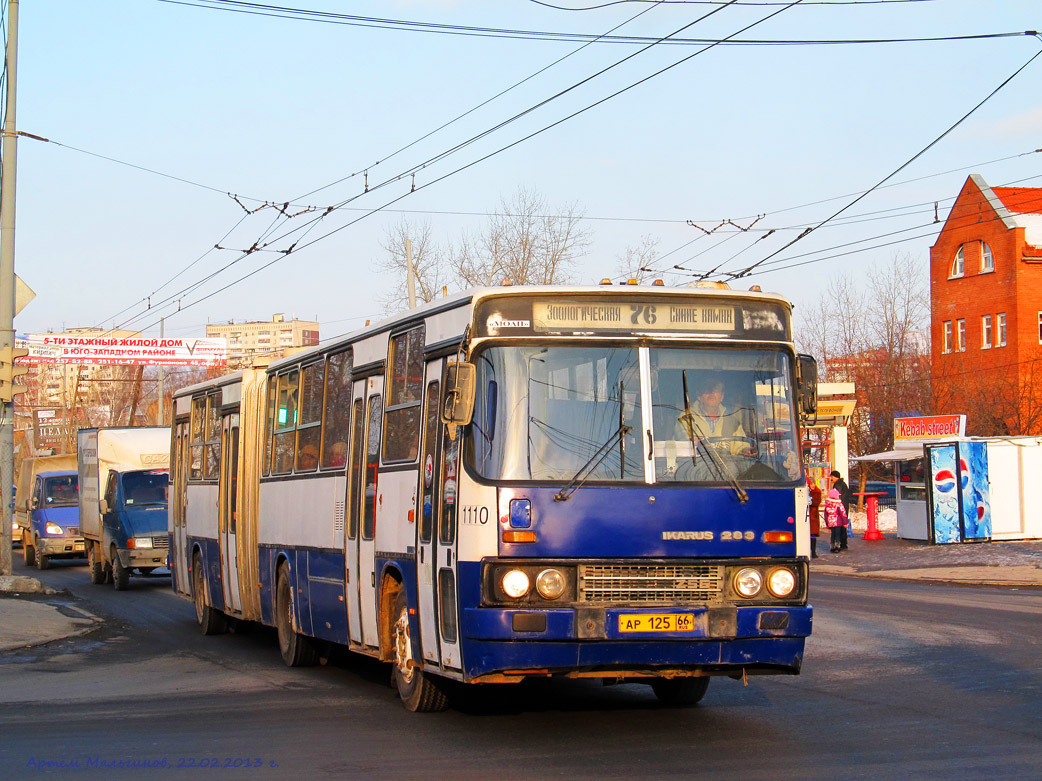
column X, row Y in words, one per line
column 515, row 584
column 748, row 582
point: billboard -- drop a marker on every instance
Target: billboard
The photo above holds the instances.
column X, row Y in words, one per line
column 124, row 351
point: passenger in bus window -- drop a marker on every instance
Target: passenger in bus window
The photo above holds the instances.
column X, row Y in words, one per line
column 308, row 458
column 339, row 455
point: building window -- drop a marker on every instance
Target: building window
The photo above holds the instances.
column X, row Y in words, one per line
column 985, row 332
column 959, row 264
column 961, row 328
column 987, row 260
column 947, row 336
column 1001, row 335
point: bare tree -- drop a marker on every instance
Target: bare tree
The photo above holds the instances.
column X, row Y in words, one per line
column 523, row 243
column 428, row 259
column 635, row 262
column 875, row 338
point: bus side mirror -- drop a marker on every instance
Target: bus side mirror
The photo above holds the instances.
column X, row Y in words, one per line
column 460, row 381
column 807, row 384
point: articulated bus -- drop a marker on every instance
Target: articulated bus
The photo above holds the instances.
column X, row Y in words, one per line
column 599, row 482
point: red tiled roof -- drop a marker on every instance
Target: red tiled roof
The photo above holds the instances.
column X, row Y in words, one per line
column 1020, row 200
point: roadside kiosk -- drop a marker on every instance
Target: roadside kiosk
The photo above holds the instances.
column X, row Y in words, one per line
column 952, row 488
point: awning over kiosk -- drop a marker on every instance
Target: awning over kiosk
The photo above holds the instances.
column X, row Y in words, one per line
column 901, row 454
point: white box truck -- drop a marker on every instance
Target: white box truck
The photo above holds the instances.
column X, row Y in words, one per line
column 124, row 475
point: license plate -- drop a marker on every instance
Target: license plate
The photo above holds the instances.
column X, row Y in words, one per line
column 670, row 622
column 77, row 546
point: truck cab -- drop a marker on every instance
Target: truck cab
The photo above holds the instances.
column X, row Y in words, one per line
column 134, row 521
column 50, row 522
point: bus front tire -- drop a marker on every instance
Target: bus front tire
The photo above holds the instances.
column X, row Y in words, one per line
column 419, row 693
column 211, row 621
column 296, row 649
column 680, row 691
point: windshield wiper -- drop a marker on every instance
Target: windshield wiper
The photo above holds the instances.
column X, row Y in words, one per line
column 693, row 430
column 595, row 461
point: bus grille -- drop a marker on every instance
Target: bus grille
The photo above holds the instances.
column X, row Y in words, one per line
column 72, row 531
column 161, row 542
column 649, row 584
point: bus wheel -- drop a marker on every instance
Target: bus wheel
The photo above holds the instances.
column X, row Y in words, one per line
column 120, row 574
column 296, row 649
column 211, row 622
column 680, row 691
column 97, row 568
column 419, row 693
column 28, row 552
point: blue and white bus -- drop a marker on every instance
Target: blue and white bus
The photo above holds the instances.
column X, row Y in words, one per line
column 596, row 482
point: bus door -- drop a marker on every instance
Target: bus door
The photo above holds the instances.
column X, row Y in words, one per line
column 356, row 475
column 429, row 494
column 371, row 500
column 177, row 499
column 445, row 550
column 227, row 516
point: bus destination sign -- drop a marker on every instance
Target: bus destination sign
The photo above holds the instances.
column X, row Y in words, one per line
column 601, row 315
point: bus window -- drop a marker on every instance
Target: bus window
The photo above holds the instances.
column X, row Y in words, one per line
column 430, row 459
column 269, row 431
column 449, row 490
column 405, row 387
column 356, row 469
column 309, row 426
column 336, row 421
column 195, row 470
column 372, row 463
column 213, row 436
column 285, row 423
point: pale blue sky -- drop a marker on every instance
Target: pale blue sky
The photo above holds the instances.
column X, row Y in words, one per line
column 272, row 109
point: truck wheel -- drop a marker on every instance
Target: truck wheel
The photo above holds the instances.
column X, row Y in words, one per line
column 296, row 649
column 680, row 691
column 28, row 552
column 97, row 568
column 120, row 574
column 42, row 562
column 211, row 622
column 419, row 693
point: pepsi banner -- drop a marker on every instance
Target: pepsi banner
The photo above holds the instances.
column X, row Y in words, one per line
column 959, row 499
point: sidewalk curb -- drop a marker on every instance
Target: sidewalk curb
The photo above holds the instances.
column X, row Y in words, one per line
column 923, row 575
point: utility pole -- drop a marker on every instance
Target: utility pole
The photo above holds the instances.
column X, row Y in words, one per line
column 9, row 150
column 159, row 414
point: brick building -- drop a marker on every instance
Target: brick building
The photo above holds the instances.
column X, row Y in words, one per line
column 986, row 309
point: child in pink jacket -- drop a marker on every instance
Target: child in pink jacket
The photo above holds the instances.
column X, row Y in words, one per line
column 835, row 518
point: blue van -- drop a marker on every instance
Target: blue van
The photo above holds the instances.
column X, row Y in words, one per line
column 52, row 512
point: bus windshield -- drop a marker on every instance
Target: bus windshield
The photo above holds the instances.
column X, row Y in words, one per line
column 546, row 413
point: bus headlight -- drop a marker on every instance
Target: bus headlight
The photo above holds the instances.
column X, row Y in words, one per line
column 781, row 582
column 515, row 584
column 748, row 582
column 550, row 584
column 53, row 528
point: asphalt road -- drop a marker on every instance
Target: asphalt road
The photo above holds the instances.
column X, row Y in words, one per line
column 900, row 679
